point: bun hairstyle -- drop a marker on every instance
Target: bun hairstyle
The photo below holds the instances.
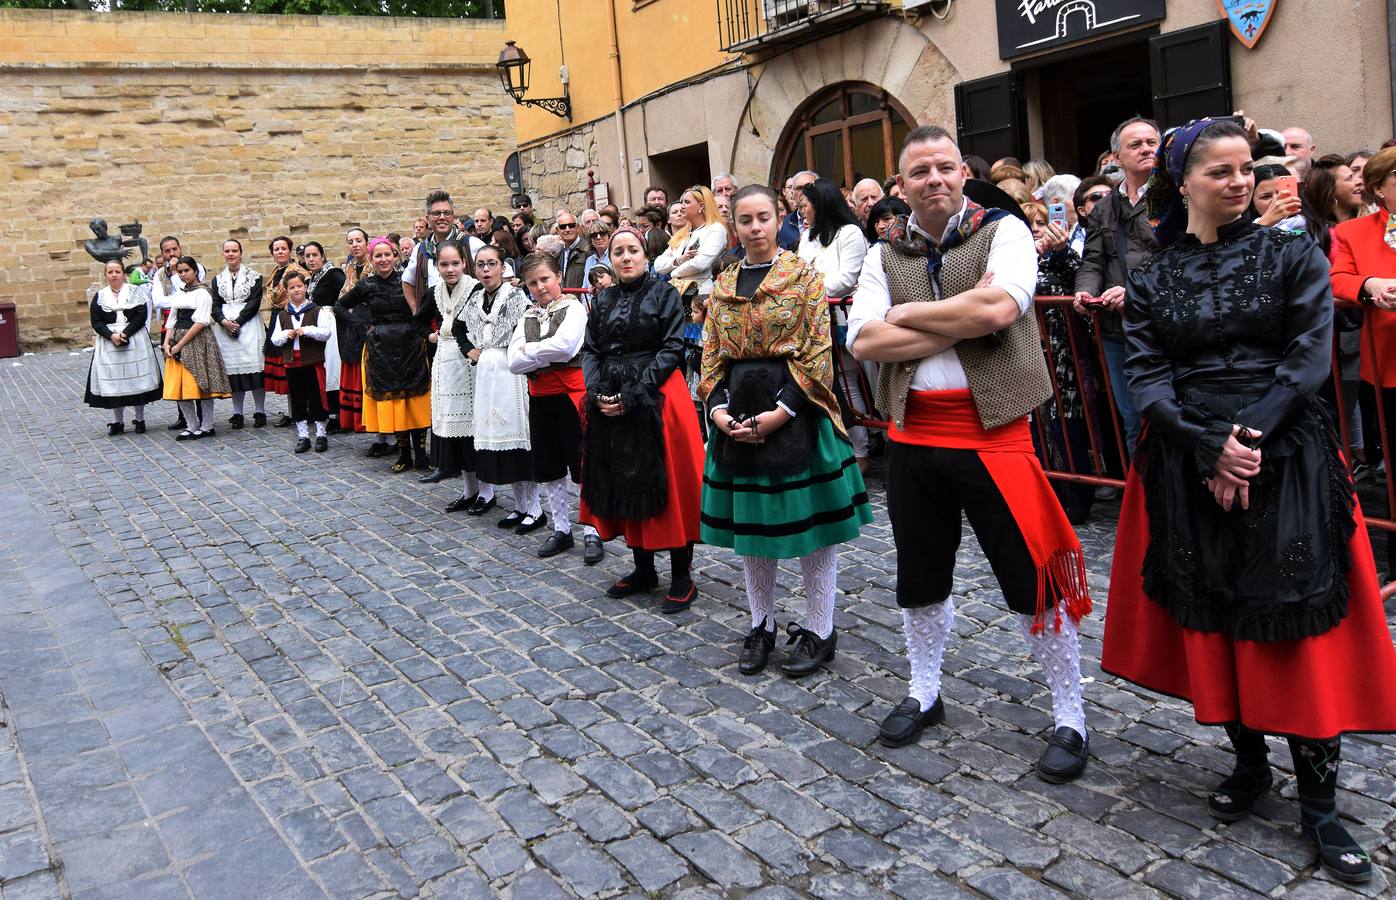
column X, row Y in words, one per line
column 1177, row 154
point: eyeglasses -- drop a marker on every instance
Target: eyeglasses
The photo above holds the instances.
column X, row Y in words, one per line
column 439, row 214
column 570, row 226
column 1097, row 196
column 487, row 263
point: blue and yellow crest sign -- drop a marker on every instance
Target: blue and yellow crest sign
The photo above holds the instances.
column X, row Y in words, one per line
column 1248, row 18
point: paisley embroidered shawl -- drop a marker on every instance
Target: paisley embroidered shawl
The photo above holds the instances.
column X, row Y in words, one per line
column 788, row 317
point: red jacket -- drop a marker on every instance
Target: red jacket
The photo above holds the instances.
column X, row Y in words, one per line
column 1360, row 252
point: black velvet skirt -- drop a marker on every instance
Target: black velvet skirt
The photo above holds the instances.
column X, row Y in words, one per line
column 1274, row 572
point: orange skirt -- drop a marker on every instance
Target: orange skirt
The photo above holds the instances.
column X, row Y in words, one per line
column 180, row 383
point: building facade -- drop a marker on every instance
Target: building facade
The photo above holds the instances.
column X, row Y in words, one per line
column 674, row 92
column 217, row 126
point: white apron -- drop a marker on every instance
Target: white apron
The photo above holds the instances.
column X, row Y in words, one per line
column 452, row 375
column 126, row 371
column 501, row 397
column 242, row 355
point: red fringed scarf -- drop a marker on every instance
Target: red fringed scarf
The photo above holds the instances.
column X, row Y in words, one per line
column 949, row 419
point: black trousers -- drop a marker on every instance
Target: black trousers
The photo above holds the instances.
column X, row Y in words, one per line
column 303, row 393
column 928, row 488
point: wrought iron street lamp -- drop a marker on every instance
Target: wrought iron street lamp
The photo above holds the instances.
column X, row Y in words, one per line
column 513, row 67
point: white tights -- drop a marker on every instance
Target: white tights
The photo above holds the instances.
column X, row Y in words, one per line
column 526, row 498
column 557, row 505
column 118, row 414
column 820, row 571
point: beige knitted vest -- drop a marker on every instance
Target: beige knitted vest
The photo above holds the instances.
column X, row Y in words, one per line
column 1006, row 370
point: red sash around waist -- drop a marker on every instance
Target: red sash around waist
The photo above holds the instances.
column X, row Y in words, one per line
column 553, row 381
column 950, row 420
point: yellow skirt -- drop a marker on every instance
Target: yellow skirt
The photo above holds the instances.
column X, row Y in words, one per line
column 181, row 385
column 392, row 416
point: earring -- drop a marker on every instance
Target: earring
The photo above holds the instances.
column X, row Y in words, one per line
column 1185, row 200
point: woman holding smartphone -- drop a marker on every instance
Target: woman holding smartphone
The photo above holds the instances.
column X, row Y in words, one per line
column 1243, row 577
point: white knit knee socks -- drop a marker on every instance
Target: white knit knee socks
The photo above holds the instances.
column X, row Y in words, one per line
column 927, row 631
column 821, row 573
column 189, row 409
column 557, row 505
column 1059, row 654
column 760, row 572
column 526, row 498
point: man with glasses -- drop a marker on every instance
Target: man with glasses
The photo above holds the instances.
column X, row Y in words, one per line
column 574, row 251
column 420, row 274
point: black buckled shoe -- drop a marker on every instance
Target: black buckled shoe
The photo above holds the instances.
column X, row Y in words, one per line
column 237, row 421
column 1233, row 798
column 259, row 420
column 322, row 444
column 177, row 425
column 303, row 445
column 1065, row 756
column 593, row 551
column 1338, row 853
column 140, row 426
column 115, row 428
column 480, row 507
column 756, row 650
column 461, row 504
column 811, row 651
column 377, row 449
column 285, row 421
column 905, row 722
column 512, row 520
column 531, row 524
column 556, row 543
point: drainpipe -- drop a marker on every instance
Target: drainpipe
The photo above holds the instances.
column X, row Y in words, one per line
column 619, row 100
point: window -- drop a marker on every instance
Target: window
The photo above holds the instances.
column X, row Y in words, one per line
column 846, row 132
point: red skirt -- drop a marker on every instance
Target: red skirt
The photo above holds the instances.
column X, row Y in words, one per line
column 351, row 396
column 1319, row 687
column 274, row 372
column 678, row 524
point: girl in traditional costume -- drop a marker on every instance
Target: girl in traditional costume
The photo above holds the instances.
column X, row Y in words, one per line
column 194, row 372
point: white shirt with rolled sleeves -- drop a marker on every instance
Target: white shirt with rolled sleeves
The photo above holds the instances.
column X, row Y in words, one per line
column 1013, row 262
column 560, row 347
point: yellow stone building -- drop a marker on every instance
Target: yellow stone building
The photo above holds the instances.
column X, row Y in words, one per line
column 673, row 92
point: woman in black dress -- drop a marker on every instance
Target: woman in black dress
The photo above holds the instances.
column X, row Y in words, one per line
column 397, row 382
column 1243, row 577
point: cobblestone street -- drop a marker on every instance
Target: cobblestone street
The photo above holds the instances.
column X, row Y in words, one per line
column 230, row 671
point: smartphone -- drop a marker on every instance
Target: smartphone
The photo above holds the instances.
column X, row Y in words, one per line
column 1056, row 214
column 1288, row 183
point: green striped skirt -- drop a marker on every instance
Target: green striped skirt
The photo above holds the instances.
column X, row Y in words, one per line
column 791, row 514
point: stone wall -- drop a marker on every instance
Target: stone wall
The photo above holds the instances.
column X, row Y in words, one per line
column 555, row 171
column 251, row 126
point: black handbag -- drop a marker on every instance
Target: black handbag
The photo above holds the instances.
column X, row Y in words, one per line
column 753, row 386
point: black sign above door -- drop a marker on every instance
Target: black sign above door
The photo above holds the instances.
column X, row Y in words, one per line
column 1030, row 26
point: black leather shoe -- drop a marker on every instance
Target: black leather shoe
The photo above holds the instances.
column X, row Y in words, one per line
column 461, row 504
column 634, row 583
column 593, row 551
column 756, row 650
column 433, row 477
column 208, row 432
column 376, row 450
column 322, row 444
column 480, row 507
column 557, row 542
column 1065, row 756
column 303, row 445
column 115, row 428
column 179, row 425
column 331, row 425
column 259, row 420
column 139, row 425
column 531, row 524
column 811, row 651
column 237, row 421
column 904, row 723
column 285, row 421
column 187, row 435
column 512, row 520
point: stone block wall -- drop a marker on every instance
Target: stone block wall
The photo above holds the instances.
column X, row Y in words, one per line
column 555, row 171
column 247, row 126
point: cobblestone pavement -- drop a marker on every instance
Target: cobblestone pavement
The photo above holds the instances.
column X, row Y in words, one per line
column 229, row 671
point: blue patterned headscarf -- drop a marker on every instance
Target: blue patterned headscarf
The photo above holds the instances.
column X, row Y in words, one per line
column 1167, row 214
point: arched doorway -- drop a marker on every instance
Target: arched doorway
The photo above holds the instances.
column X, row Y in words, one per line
column 846, row 132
